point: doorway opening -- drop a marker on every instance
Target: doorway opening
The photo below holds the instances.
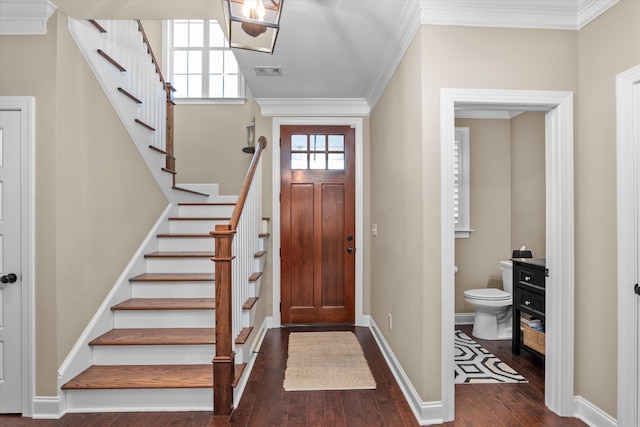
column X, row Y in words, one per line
column 558, row 106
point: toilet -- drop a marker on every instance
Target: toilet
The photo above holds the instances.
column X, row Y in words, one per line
column 493, row 307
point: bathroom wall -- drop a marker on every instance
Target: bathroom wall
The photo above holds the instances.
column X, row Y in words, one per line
column 507, row 190
column 528, row 183
column 478, row 257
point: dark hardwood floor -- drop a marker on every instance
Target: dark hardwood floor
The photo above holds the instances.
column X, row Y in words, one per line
column 265, row 403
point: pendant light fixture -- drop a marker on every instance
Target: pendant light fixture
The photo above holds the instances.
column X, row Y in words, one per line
column 253, row 24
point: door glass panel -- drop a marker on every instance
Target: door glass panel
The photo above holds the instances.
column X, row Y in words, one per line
column 298, row 142
column 318, row 142
column 336, row 161
column 299, row 161
column 318, row 161
column 336, row 142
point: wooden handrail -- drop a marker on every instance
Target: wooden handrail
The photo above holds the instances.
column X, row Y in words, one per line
column 237, row 211
column 169, row 89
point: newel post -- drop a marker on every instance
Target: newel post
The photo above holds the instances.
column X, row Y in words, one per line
column 169, row 149
column 223, row 362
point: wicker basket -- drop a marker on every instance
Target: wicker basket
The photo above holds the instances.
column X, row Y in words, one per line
column 534, row 339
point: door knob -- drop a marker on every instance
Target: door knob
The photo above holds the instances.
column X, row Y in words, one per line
column 351, row 250
column 9, row 278
column 636, row 289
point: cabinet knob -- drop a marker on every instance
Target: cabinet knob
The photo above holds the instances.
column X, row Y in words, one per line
column 527, row 278
column 527, row 303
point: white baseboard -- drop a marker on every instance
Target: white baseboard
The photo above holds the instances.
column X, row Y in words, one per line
column 47, row 407
column 426, row 413
column 591, row 414
column 464, row 318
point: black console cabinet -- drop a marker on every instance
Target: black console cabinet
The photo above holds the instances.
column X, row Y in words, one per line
column 528, row 300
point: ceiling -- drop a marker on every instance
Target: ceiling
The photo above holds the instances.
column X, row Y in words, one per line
column 347, row 48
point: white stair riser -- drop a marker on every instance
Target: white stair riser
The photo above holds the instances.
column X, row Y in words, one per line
column 164, row 319
column 262, row 245
column 147, row 400
column 180, row 265
column 173, row 289
column 200, row 226
column 181, row 244
column 205, row 211
column 153, row 354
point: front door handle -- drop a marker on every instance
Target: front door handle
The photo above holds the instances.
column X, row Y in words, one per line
column 636, row 289
column 351, row 250
column 9, row 278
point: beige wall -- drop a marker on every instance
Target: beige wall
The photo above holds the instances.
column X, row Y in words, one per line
column 528, row 206
column 607, row 46
column 478, row 257
column 396, row 208
column 95, row 198
column 208, row 144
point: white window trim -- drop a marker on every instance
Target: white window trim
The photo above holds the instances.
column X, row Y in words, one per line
column 166, row 66
column 463, row 230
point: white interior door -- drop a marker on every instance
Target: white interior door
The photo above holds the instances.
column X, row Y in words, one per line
column 628, row 181
column 10, row 264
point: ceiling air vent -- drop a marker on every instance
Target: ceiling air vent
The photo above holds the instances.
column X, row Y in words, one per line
column 268, row 71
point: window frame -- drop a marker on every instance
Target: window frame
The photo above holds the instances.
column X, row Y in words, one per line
column 463, row 226
column 167, row 53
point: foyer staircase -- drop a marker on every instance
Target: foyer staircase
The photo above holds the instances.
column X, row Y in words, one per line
column 176, row 332
column 158, row 355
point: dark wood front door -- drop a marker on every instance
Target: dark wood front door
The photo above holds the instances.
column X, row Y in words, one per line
column 317, row 224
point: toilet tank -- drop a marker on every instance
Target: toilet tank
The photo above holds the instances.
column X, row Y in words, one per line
column 507, row 276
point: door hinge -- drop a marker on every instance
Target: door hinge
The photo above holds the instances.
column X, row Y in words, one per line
column 280, row 197
column 280, row 307
column 280, row 253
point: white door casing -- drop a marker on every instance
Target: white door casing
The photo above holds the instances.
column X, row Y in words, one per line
column 20, row 199
column 628, row 203
column 10, row 292
column 559, row 372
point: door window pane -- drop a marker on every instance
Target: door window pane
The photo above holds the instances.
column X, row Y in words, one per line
column 318, row 161
column 336, row 143
column 299, row 161
column 317, row 142
column 298, row 142
column 336, row 161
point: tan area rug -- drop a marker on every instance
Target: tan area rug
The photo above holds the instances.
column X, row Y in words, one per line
column 326, row 361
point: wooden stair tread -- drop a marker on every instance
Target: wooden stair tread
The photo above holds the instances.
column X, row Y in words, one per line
column 173, row 277
column 199, row 218
column 188, row 235
column 166, row 304
column 260, row 254
column 143, row 376
column 255, row 276
column 248, row 305
column 157, row 336
column 243, row 336
column 238, row 371
column 168, row 254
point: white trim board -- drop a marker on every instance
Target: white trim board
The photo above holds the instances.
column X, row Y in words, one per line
column 628, row 167
column 27, row 106
column 559, row 372
column 324, row 120
column 426, row 413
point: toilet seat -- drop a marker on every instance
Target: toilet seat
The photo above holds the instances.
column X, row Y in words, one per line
column 488, row 294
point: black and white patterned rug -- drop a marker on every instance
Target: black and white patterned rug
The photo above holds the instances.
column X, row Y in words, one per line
column 475, row 364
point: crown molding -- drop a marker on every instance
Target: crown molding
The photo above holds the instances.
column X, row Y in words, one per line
column 556, row 15
column 25, row 17
column 390, row 58
column 313, row 107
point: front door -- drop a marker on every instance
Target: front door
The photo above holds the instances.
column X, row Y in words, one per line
column 10, row 256
column 317, row 224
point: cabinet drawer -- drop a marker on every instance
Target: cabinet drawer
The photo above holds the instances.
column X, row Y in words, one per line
column 531, row 276
column 530, row 301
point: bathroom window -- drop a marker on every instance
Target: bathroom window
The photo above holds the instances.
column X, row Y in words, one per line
column 200, row 64
column 461, row 197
